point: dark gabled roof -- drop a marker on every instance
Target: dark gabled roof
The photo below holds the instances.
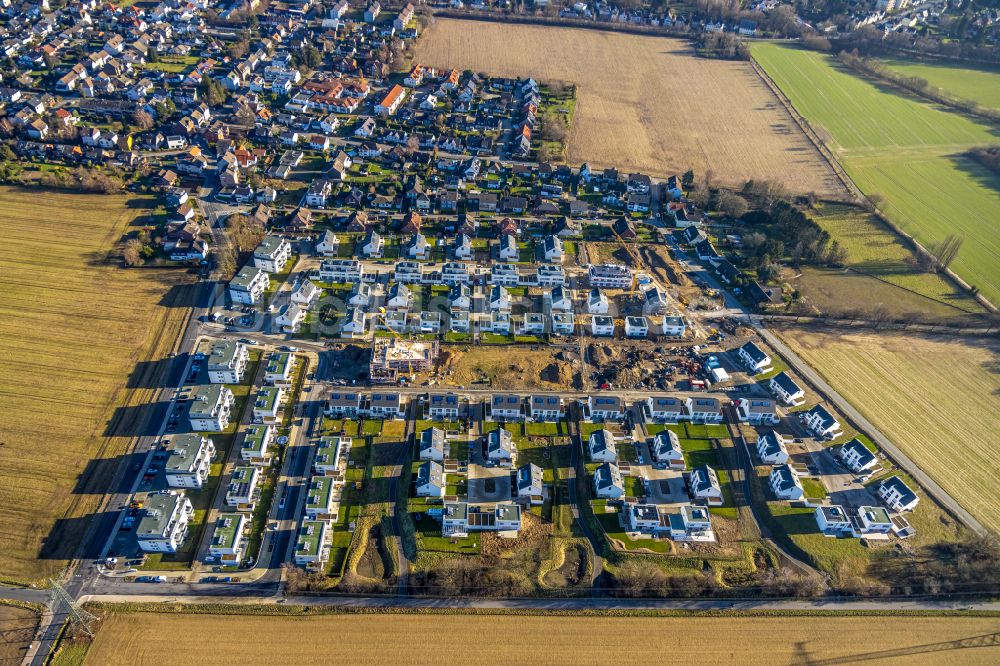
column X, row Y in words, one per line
column 785, row 381
column 755, row 353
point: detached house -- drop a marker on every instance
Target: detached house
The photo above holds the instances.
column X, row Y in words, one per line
column 430, row 480
column 896, row 494
column 666, row 450
column 821, row 422
column 857, row 457
column 431, row 444
column 771, row 448
column 785, row 484
column 785, row 388
column 703, row 484
column 500, row 447
column 754, row 358
column 608, row 483
column 529, row 483
column 601, row 446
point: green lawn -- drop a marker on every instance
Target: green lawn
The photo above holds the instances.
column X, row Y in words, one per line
column 903, row 149
column 980, row 85
column 813, row 488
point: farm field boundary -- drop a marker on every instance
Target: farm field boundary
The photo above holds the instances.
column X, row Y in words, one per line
column 149, row 638
column 902, row 148
column 644, row 103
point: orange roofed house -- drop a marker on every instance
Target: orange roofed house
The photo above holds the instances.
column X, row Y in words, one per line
column 390, row 104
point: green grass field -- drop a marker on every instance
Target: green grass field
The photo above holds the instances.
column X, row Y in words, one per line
column 882, row 272
column 977, row 84
column 903, row 149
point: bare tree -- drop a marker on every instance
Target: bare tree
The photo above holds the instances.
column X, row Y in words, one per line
column 132, row 254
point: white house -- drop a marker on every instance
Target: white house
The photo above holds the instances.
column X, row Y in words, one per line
column 290, row 318
column 242, row 484
column 636, row 327
column 821, row 422
column 559, row 298
column 833, row 520
column 272, row 254
column 506, row 406
column 703, row 484
column 210, row 408
column 500, row 447
column 757, row 411
column 443, row 406
column 857, row 457
column 430, row 480
column 373, row 245
column 666, row 408
column 386, row 406
column 606, row 407
column 508, row 250
column 311, row 543
column 164, row 524
column 329, row 244
column 361, row 295
column 673, row 327
column 279, row 368
column 785, row 388
column 343, row 404
column 896, row 494
column 529, row 483
column 552, row 248
column 227, row 539
column 666, row 450
column 227, row 362
column 432, row 444
column 545, row 407
column 562, row 323
column 268, row 403
column 785, row 484
column 601, row 446
column 771, row 448
column 597, row 302
column 189, row 460
column 602, row 326
column 305, row 294
column 754, row 358
column 499, row 299
column 704, row 410
column 608, row 483
column 255, row 442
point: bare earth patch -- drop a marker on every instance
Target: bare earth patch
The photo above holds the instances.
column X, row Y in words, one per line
column 645, row 103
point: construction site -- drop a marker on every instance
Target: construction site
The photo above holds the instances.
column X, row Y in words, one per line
column 392, row 357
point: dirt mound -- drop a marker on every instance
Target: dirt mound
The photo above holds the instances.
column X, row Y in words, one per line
column 557, row 373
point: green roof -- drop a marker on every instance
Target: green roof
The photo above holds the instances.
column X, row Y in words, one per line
column 310, row 539
column 227, row 530
column 267, row 398
column 320, row 493
column 253, row 438
column 278, row 363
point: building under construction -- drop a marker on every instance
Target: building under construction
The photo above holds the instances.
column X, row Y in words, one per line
column 392, row 356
